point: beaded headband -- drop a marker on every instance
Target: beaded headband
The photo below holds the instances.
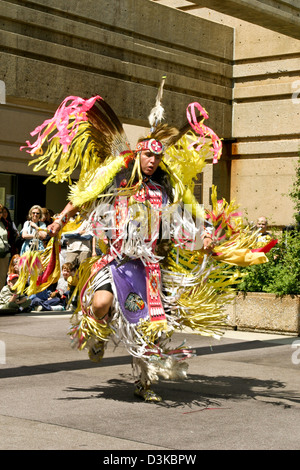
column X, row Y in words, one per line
column 155, row 146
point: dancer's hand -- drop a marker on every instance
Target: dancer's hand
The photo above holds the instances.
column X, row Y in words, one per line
column 53, row 229
column 208, row 244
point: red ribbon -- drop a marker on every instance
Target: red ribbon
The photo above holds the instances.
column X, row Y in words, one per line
column 266, row 248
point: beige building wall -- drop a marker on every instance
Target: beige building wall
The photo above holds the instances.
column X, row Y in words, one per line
column 247, row 77
column 120, row 50
column 266, row 116
column 266, row 122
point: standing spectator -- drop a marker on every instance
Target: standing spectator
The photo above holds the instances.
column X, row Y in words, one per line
column 12, row 230
column 264, row 236
column 47, row 215
column 4, row 249
column 51, row 215
column 30, row 231
column 7, row 216
column 47, row 219
column 79, row 245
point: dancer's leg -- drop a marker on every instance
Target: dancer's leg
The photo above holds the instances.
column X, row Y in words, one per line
column 101, row 304
column 101, row 307
column 143, row 387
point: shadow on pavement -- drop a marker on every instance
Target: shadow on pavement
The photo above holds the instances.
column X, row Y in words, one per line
column 50, row 368
column 197, row 390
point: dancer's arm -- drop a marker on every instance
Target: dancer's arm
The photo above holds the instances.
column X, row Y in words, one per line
column 62, row 219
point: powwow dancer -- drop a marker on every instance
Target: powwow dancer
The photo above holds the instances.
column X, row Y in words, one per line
column 162, row 263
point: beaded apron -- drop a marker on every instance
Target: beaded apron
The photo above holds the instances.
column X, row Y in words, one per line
column 137, row 283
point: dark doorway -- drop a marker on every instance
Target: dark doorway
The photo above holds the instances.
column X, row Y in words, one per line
column 30, row 190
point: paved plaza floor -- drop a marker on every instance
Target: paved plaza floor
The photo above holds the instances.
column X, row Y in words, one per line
column 242, row 393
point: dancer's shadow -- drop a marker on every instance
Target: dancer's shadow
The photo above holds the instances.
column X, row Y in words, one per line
column 196, row 390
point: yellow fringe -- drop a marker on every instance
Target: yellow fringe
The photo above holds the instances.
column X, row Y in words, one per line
column 150, row 330
column 237, row 250
column 186, row 162
column 92, row 185
column 240, row 257
column 86, row 151
column 224, row 214
column 81, row 277
column 86, row 328
column 33, row 265
column 201, row 308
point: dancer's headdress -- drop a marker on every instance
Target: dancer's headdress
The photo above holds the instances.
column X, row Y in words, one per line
column 86, row 134
column 157, row 141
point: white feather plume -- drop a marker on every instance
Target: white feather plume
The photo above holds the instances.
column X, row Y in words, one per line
column 157, row 113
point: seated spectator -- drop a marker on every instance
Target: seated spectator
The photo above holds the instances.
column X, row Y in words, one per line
column 63, row 282
column 12, row 301
column 56, row 299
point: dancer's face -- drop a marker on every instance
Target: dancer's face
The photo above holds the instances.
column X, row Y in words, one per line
column 149, row 162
